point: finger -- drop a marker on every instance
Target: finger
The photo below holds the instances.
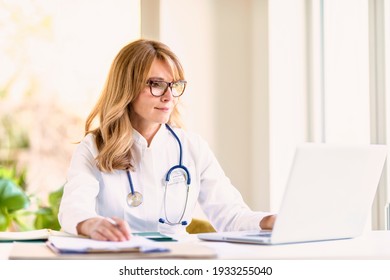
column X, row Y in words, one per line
column 111, row 233
column 117, row 230
column 123, row 227
column 97, row 236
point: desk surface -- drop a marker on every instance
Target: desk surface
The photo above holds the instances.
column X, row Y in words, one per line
column 372, row 245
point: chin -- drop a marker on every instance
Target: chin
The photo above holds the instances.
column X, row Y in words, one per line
column 163, row 120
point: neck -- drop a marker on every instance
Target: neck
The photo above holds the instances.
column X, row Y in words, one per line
column 148, row 132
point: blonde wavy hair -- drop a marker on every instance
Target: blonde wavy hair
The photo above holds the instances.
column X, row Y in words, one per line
column 126, row 79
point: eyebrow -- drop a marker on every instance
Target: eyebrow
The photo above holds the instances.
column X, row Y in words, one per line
column 156, row 78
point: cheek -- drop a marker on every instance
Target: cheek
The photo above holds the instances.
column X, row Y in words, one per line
column 143, row 110
column 142, row 103
column 137, row 106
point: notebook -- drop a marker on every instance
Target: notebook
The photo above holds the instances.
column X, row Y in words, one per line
column 31, row 235
column 328, row 196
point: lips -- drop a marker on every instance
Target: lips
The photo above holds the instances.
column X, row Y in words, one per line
column 163, row 109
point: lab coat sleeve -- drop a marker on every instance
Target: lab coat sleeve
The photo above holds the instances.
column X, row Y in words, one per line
column 220, row 200
column 82, row 187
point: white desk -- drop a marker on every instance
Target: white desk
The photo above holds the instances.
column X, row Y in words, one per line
column 5, row 248
column 372, row 245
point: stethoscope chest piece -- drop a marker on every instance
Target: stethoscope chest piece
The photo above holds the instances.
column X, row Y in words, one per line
column 134, row 199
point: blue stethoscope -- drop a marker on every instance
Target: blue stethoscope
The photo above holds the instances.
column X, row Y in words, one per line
column 135, row 198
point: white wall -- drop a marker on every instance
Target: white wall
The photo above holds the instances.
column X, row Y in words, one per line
column 287, row 90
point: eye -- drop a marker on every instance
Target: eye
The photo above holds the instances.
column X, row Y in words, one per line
column 179, row 85
column 157, row 84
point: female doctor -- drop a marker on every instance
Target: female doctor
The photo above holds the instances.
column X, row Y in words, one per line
column 136, row 169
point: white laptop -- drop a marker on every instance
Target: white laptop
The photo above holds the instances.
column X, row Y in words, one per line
column 328, row 196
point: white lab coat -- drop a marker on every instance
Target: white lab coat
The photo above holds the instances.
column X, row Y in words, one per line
column 89, row 192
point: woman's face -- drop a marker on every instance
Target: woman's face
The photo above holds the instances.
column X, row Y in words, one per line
column 150, row 111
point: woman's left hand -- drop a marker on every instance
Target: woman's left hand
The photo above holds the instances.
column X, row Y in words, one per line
column 267, row 222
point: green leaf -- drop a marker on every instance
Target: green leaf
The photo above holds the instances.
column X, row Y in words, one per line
column 55, row 198
column 45, row 218
column 12, row 197
column 11, row 173
column 4, row 219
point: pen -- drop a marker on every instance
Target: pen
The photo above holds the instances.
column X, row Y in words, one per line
column 112, row 221
column 123, row 230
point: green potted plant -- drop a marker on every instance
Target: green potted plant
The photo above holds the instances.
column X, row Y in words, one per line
column 20, row 211
column 12, row 199
column 46, row 215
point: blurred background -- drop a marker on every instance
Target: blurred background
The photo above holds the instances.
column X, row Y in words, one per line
column 263, row 76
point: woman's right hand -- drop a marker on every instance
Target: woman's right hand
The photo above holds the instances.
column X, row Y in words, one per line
column 105, row 229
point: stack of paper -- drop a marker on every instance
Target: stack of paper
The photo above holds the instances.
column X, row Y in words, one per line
column 65, row 245
column 72, row 247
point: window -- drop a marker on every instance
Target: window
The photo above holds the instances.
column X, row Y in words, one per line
column 55, row 56
column 348, row 83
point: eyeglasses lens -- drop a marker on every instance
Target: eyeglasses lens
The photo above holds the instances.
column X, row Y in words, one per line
column 158, row 88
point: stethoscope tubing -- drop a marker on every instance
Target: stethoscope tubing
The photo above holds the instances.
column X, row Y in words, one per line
column 130, row 182
column 167, row 179
column 180, row 165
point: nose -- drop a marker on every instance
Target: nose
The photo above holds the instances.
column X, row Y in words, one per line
column 167, row 96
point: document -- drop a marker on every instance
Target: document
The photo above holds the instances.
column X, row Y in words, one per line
column 155, row 236
column 177, row 250
column 32, row 235
column 66, row 245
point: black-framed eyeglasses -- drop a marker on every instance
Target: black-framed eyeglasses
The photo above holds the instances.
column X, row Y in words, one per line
column 158, row 87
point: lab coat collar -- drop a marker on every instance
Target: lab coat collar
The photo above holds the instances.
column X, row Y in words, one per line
column 158, row 138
